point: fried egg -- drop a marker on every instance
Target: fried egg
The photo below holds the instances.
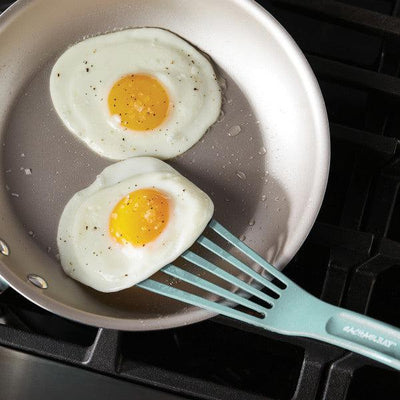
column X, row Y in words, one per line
column 139, row 215
column 137, row 92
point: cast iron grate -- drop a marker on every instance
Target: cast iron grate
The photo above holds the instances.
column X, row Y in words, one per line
column 351, row 258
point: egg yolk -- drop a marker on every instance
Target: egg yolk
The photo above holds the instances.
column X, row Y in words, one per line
column 140, row 217
column 140, row 101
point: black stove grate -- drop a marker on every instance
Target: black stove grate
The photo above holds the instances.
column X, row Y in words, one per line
column 351, row 258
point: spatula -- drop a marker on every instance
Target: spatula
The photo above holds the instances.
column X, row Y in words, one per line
column 289, row 310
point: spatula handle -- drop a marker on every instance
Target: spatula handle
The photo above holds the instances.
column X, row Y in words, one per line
column 364, row 335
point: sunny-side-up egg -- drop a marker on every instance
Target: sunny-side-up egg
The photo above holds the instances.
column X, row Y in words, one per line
column 139, row 215
column 137, row 92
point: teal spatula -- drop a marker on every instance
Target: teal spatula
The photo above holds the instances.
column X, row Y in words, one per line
column 291, row 311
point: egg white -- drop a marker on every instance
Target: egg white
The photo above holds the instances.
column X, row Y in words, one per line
column 90, row 255
column 83, row 76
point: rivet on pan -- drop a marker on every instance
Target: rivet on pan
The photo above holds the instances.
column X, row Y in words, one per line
column 37, row 281
column 4, row 248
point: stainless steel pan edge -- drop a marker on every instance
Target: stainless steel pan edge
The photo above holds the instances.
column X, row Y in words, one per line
column 25, row 251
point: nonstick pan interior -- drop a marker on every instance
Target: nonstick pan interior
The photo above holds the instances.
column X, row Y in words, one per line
column 267, row 181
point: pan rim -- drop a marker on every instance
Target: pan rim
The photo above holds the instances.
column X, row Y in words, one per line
column 317, row 193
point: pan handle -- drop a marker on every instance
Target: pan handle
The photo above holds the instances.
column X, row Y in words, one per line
column 3, row 285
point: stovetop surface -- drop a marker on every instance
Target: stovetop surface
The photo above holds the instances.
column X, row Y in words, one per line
column 24, row 376
column 351, row 258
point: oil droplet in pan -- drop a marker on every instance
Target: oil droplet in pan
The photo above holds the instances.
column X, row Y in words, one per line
column 241, row 175
column 262, row 151
column 234, row 131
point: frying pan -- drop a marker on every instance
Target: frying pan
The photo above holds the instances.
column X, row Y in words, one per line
column 267, row 181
